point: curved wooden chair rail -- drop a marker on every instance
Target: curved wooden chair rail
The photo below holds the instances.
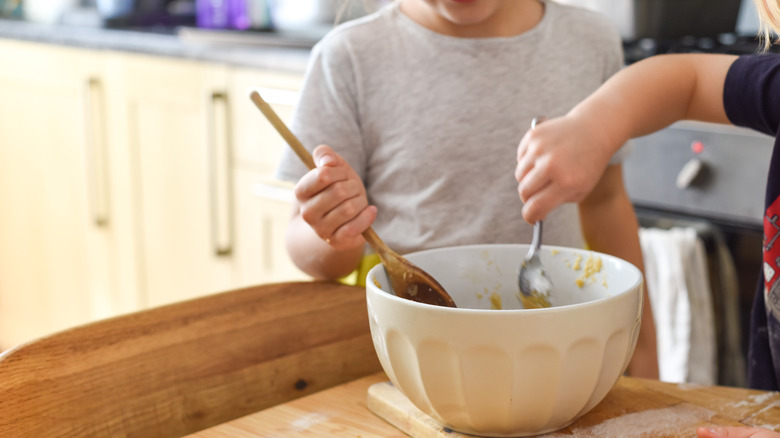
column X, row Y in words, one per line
column 173, row 370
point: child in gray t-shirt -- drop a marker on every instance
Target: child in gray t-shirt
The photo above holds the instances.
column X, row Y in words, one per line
column 422, row 106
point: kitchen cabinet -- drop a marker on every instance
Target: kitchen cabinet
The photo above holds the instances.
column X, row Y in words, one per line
column 177, row 141
column 264, row 206
column 204, row 169
column 129, row 181
column 60, row 240
column 264, row 203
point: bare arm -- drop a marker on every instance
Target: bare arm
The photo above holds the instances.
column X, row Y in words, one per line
column 656, row 92
column 331, row 211
column 562, row 160
column 609, row 225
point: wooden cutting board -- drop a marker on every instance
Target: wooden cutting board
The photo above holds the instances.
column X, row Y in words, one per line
column 634, row 408
column 370, row 407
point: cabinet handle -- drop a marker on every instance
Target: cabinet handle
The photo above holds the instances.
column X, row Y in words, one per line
column 96, row 152
column 221, row 197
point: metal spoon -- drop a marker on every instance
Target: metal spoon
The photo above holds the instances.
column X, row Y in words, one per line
column 534, row 285
column 407, row 280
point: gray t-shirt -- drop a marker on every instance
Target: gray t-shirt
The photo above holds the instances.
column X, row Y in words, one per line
column 432, row 123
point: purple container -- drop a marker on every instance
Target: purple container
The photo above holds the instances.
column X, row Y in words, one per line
column 212, row 14
column 238, row 14
column 224, row 14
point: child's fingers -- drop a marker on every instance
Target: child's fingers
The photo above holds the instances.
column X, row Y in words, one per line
column 324, row 155
column 350, row 233
column 540, row 204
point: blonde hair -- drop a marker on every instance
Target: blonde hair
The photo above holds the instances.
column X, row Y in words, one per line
column 769, row 18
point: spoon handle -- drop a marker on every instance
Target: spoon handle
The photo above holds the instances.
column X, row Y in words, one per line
column 277, row 123
column 536, row 240
column 369, row 234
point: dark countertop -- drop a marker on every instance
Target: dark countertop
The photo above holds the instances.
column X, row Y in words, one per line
column 240, row 49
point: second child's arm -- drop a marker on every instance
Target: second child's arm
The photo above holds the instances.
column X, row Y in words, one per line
column 563, row 159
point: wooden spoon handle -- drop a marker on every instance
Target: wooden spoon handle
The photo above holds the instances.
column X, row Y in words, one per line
column 380, row 248
column 288, row 136
column 369, row 234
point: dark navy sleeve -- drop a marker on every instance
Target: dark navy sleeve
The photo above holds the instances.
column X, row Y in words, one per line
column 751, row 97
column 751, row 93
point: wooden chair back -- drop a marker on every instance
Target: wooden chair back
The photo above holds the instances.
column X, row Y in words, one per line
column 176, row 369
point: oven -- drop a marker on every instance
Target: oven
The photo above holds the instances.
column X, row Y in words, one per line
column 708, row 181
column 698, row 190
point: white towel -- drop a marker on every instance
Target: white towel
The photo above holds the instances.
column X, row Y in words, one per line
column 679, row 290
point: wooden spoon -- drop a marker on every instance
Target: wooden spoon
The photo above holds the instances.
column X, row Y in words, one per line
column 407, row 280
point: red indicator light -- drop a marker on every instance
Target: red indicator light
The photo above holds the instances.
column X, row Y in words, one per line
column 697, row 147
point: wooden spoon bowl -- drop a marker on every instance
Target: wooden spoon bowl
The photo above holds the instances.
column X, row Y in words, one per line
column 407, row 280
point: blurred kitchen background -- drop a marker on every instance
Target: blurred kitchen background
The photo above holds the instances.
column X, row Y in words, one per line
column 647, row 26
column 312, row 18
column 162, row 188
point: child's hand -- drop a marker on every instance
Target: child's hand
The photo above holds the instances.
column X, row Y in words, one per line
column 735, row 432
column 560, row 161
column 332, row 200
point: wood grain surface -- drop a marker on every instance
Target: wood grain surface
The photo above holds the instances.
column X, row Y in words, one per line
column 184, row 367
column 632, row 409
column 370, row 407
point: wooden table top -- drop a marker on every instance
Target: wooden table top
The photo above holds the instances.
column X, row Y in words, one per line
column 634, row 407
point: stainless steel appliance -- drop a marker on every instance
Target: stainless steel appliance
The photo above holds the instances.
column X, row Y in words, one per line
column 667, row 19
column 712, row 178
column 650, row 27
column 709, row 171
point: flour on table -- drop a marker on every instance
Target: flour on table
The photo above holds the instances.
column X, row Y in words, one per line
column 308, row 421
column 651, row 423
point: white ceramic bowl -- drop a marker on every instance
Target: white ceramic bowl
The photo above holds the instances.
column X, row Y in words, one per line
column 514, row 371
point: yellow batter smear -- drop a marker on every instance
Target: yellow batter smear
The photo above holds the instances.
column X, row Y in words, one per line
column 592, row 267
column 578, row 263
column 495, row 301
column 535, row 301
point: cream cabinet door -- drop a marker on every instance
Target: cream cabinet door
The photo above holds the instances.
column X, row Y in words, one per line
column 58, row 242
column 129, row 181
column 263, row 203
column 178, row 137
column 263, row 206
